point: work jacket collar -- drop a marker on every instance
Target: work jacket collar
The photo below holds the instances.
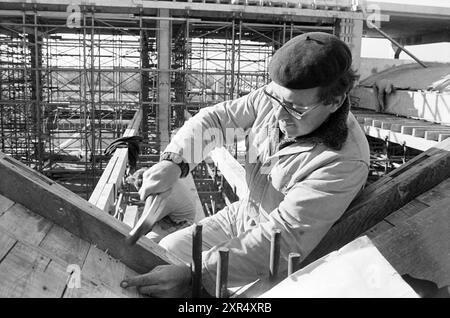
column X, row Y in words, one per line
column 294, row 149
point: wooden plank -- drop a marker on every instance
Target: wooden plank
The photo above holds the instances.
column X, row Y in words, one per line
column 405, row 127
column 92, row 289
column 405, row 212
column 76, row 215
column 386, row 123
column 118, row 172
column 63, row 248
column 101, row 267
column 106, row 200
column 409, row 129
column 6, row 244
column 389, row 122
column 378, row 228
column 25, row 225
column 437, row 135
column 130, row 215
column 232, row 171
column 420, row 132
column 436, row 194
column 417, row 176
column 399, row 138
column 65, row 245
column 26, row 273
column 134, row 125
column 442, row 137
column 421, row 246
column 5, row 204
column 103, row 180
column 105, row 192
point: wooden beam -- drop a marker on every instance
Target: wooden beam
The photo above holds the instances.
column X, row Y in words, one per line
column 45, row 197
column 105, row 192
column 387, row 195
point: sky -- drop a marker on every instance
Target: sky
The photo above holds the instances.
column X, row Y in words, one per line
column 381, row 48
column 443, row 3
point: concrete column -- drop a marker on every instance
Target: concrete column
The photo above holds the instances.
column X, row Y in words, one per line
column 164, row 36
column 350, row 31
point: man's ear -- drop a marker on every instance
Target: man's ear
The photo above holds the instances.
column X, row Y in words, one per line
column 337, row 103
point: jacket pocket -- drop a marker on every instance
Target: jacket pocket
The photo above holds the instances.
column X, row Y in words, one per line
column 279, row 178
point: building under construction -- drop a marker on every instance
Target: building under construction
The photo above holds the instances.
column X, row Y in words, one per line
column 77, row 75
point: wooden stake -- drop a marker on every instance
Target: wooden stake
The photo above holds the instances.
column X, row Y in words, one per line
column 222, row 274
column 197, row 261
column 294, row 263
column 274, row 255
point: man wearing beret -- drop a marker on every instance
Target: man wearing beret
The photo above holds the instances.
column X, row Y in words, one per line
column 310, row 159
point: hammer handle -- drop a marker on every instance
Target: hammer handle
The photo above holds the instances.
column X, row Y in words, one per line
column 147, row 219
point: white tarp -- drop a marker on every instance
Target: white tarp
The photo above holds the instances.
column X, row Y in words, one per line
column 357, row 270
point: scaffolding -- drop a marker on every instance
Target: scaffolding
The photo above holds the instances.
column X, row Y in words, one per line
column 67, row 91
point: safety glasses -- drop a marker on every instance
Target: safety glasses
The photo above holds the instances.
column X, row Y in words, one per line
column 297, row 113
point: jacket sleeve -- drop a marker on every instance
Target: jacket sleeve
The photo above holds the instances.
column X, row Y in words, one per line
column 305, row 215
column 213, row 127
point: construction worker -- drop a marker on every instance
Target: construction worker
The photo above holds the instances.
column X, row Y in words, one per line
column 382, row 89
column 307, row 160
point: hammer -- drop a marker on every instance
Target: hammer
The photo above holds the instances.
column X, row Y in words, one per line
column 153, row 210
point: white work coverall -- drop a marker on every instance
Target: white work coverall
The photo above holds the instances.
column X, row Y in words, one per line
column 302, row 190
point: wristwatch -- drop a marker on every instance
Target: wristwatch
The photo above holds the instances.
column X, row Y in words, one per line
column 176, row 158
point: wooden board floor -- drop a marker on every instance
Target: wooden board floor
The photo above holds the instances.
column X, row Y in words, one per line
column 428, row 199
column 415, row 239
column 41, row 259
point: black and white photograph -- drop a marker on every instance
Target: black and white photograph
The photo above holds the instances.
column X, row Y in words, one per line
column 227, row 156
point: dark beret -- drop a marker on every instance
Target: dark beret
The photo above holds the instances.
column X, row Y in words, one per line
column 310, row 60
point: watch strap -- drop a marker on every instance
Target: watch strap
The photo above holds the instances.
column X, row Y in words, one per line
column 170, row 156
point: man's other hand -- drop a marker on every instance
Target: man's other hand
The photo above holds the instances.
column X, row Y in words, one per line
column 164, row 281
column 159, row 178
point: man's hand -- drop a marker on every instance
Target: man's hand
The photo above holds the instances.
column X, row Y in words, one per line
column 164, row 281
column 159, row 178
